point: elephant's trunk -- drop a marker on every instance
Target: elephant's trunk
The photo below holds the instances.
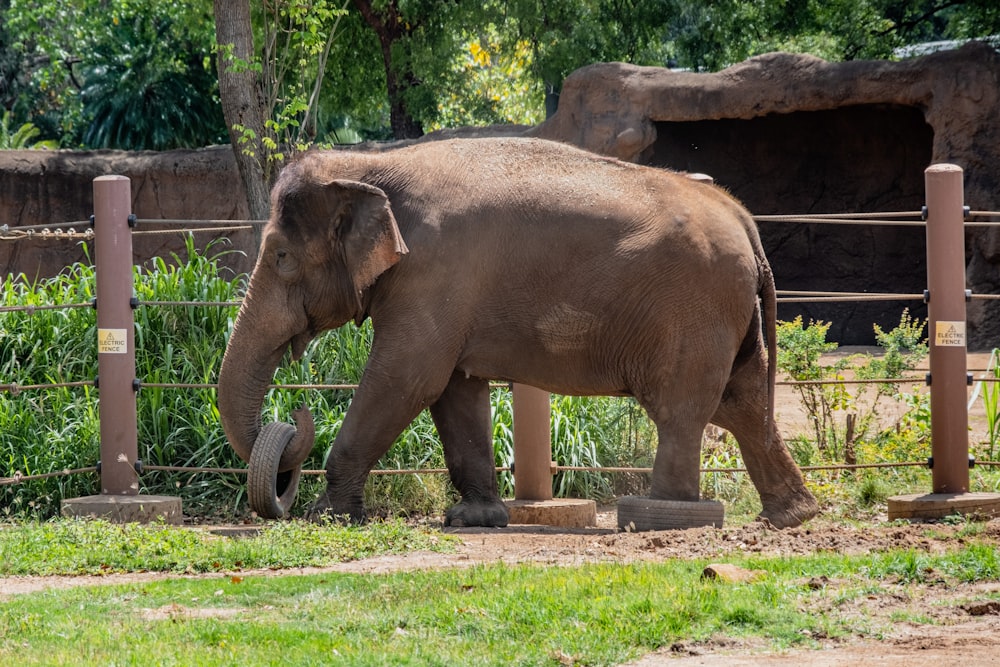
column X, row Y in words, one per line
column 244, row 378
column 301, row 445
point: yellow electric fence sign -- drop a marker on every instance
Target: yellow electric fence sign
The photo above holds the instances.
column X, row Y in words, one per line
column 112, row 341
column 949, row 334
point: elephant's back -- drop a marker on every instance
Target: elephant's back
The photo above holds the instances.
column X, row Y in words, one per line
column 540, row 179
column 525, row 198
column 553, row 255
column 491, row 167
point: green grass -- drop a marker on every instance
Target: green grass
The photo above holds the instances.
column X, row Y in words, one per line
column 598, row 614
column 76, row 546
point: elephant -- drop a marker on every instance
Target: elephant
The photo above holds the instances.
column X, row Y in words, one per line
column 513, row 260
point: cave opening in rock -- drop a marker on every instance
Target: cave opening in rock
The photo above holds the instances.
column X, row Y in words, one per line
column 865, row 158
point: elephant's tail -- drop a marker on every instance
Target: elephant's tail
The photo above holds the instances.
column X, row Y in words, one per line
column 769, row 308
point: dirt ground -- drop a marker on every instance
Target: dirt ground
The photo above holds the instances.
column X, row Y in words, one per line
column 962, row 620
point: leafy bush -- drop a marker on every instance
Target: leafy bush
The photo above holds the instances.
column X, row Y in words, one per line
column 841, row 415
column 24, row 137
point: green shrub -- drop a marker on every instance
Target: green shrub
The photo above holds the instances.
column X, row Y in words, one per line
column 841, row 414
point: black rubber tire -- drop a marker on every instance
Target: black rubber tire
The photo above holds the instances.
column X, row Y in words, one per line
column 270, row 493
column 637, row 513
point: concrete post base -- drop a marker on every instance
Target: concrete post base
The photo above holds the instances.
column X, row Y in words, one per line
column 124, row 509
column 939, row 505
column 562, row 512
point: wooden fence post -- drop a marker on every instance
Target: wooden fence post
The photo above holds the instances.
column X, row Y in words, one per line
column 532, row 444
column 948, row 377
column 117, row 385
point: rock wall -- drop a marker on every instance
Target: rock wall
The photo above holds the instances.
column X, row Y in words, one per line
column 796, row 134
column 54, row 187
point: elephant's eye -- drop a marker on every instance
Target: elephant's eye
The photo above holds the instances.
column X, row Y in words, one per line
column 285, row 262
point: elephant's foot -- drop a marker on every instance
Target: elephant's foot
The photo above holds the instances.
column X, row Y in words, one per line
column 789, row 511
column 326, row 509
column 491, row 514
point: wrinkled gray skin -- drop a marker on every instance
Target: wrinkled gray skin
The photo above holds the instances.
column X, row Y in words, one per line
column 517, row 260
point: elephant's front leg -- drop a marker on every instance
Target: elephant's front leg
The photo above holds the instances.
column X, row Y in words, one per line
column 462, row 417
column 374, row 420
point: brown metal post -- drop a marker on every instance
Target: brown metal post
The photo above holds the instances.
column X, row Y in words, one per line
column 115, row 335
column 532, row 444
column 946, row 328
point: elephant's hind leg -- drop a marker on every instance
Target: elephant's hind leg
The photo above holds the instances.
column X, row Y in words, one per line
column 676, row 473
column 743, row 412
column 680, row 409
column 462, row 417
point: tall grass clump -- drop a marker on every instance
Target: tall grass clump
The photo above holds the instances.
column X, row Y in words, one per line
column 43, row 431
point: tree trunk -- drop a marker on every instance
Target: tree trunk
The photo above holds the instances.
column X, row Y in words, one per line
column 243, row 103
column 391, row 28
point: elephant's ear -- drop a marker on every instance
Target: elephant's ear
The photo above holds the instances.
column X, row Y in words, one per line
column 367, row 231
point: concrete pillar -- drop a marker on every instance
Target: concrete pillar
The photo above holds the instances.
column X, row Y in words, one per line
column 532, row 444
column 533, row 468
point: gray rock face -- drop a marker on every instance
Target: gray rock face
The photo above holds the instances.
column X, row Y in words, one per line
column 54, row 187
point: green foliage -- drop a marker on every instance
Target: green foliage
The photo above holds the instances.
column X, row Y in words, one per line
column 137, row 96
column 800, row 349
column 872, row 491
column 848, row 425
column 567, row 34
column 720, row 455
column 826, row 394
column 908, row 439
column 117, row 73
column 52, row 430
column 323, row 67
column 488, row 83
column 290, row 67
column 21, row 138
column 714, row 35
column 578, row 426
column 903, row 348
